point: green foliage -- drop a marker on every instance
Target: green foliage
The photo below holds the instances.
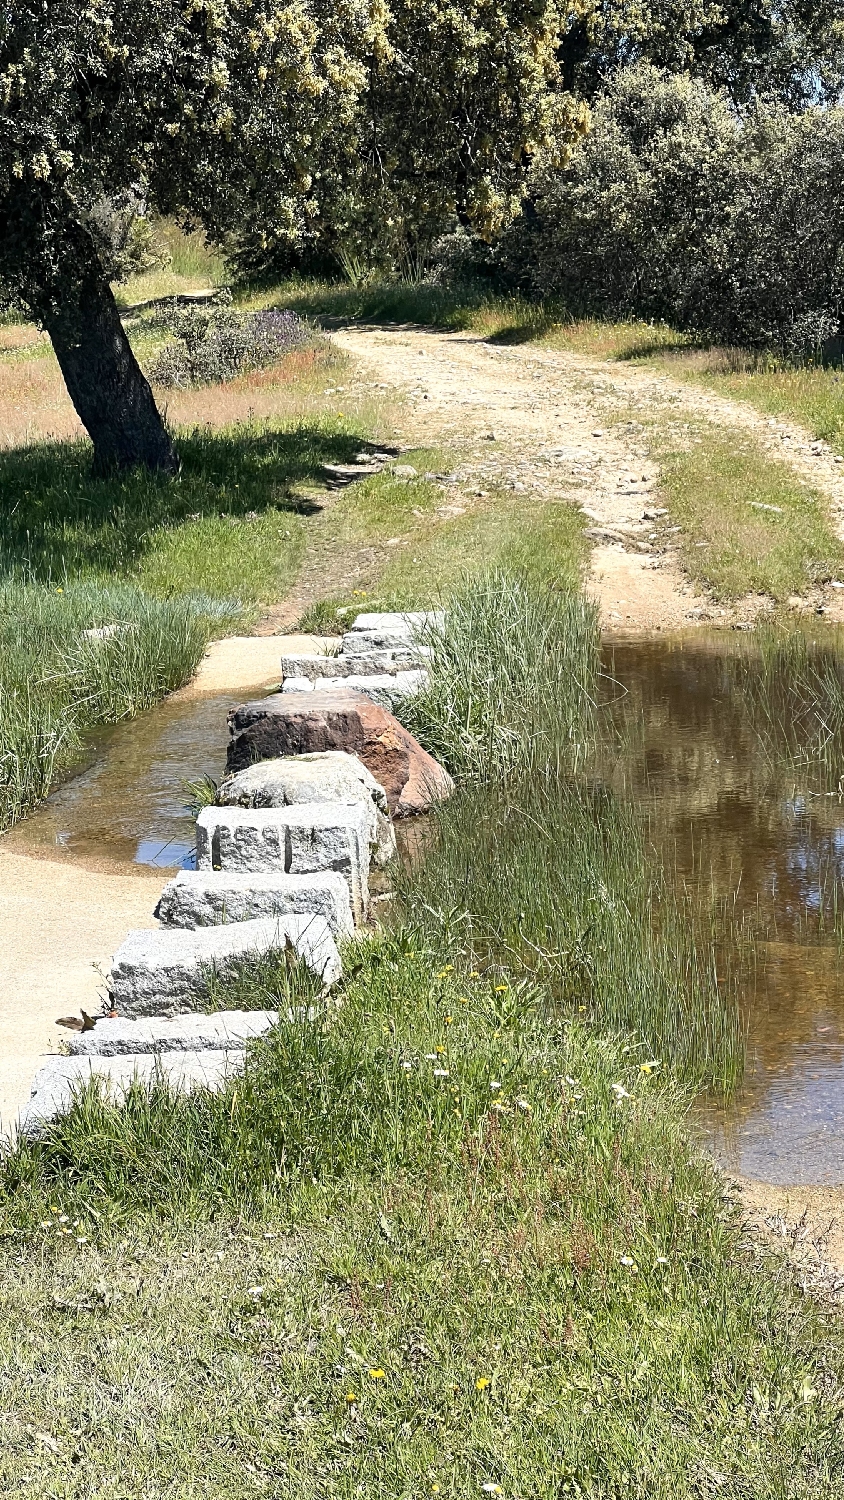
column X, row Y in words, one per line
column 513, row 678
column 793, row 51
column 214, row 344
column 676, row 207
column 378, row 123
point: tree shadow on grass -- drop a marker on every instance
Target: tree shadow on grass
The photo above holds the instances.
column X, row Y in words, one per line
column 57, row 520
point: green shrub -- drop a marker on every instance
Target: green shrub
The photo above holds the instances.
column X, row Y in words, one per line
column 677, row 206
column 214, row 344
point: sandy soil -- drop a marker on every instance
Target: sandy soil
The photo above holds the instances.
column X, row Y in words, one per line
column 544, row 410
column 807, row 1223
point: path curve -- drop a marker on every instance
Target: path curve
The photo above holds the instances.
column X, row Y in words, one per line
column 545, row 408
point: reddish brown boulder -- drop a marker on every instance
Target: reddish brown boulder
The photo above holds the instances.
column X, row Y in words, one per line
column 300, row 723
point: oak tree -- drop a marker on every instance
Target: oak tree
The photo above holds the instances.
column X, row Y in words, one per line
column 223, row 112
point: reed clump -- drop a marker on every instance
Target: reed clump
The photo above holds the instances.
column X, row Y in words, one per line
column 534, row 868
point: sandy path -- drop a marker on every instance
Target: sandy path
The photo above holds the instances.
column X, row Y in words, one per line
column 61, row 922
column 545, row 409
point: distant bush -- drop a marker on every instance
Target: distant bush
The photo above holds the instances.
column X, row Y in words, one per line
column 679, row 207
column 216, row 343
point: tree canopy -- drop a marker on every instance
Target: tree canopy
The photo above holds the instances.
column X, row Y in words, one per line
column 373, row 118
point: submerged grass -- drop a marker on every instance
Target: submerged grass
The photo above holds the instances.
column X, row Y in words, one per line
column 793, row 686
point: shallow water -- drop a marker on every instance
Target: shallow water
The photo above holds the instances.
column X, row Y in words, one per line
column 127, row 808
column 721, row 818
column 734, row 826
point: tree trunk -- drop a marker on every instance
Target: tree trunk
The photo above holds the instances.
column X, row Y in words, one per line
column 105, row 381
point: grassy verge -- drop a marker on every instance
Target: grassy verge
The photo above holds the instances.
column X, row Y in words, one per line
column 445, row 1252
column 811, row 395
column 749, row 524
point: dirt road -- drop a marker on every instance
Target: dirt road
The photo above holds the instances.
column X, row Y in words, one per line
column 547, row 411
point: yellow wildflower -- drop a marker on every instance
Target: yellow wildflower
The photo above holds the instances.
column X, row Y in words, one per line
column 482, row 1382
column 377, row 1374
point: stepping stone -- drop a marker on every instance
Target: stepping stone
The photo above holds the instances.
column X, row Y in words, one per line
column 60, row 1078
column 302, row 839
column 382, row 688
column 327, row 776
column 205, row 898
column 225, row 1031
column 414, row 620
column 298, row 723
column 163, row 973
column 376, row 646
column 368, row 663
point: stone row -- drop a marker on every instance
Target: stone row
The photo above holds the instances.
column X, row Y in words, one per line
column 283, row 862
column 382, row 655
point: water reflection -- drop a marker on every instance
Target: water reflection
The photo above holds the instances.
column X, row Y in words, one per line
column 127, row 808
column 735, row 825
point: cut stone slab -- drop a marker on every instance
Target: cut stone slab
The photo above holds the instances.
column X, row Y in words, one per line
column 302, row 839
column 224, row 1031
column 299, row 723
column 384, row 688
column 60, row 1078
column 414, row 620
column 375, row 645
column 362, row 663
column 205, row 898
column 166, row 972
column 327, row 776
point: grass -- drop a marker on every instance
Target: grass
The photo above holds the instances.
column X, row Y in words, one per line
column 424, row 1245
column 188, row 559
column 793, row 687
column 511, row 688
column 535, row 869
column 748, row 523
column 437, row 534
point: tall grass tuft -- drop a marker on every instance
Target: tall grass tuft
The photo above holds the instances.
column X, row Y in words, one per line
column 530, row 869
column 552, row 881
column 74, row 657
column 513, row 680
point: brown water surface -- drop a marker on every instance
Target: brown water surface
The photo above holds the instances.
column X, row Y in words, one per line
column 733, row 825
